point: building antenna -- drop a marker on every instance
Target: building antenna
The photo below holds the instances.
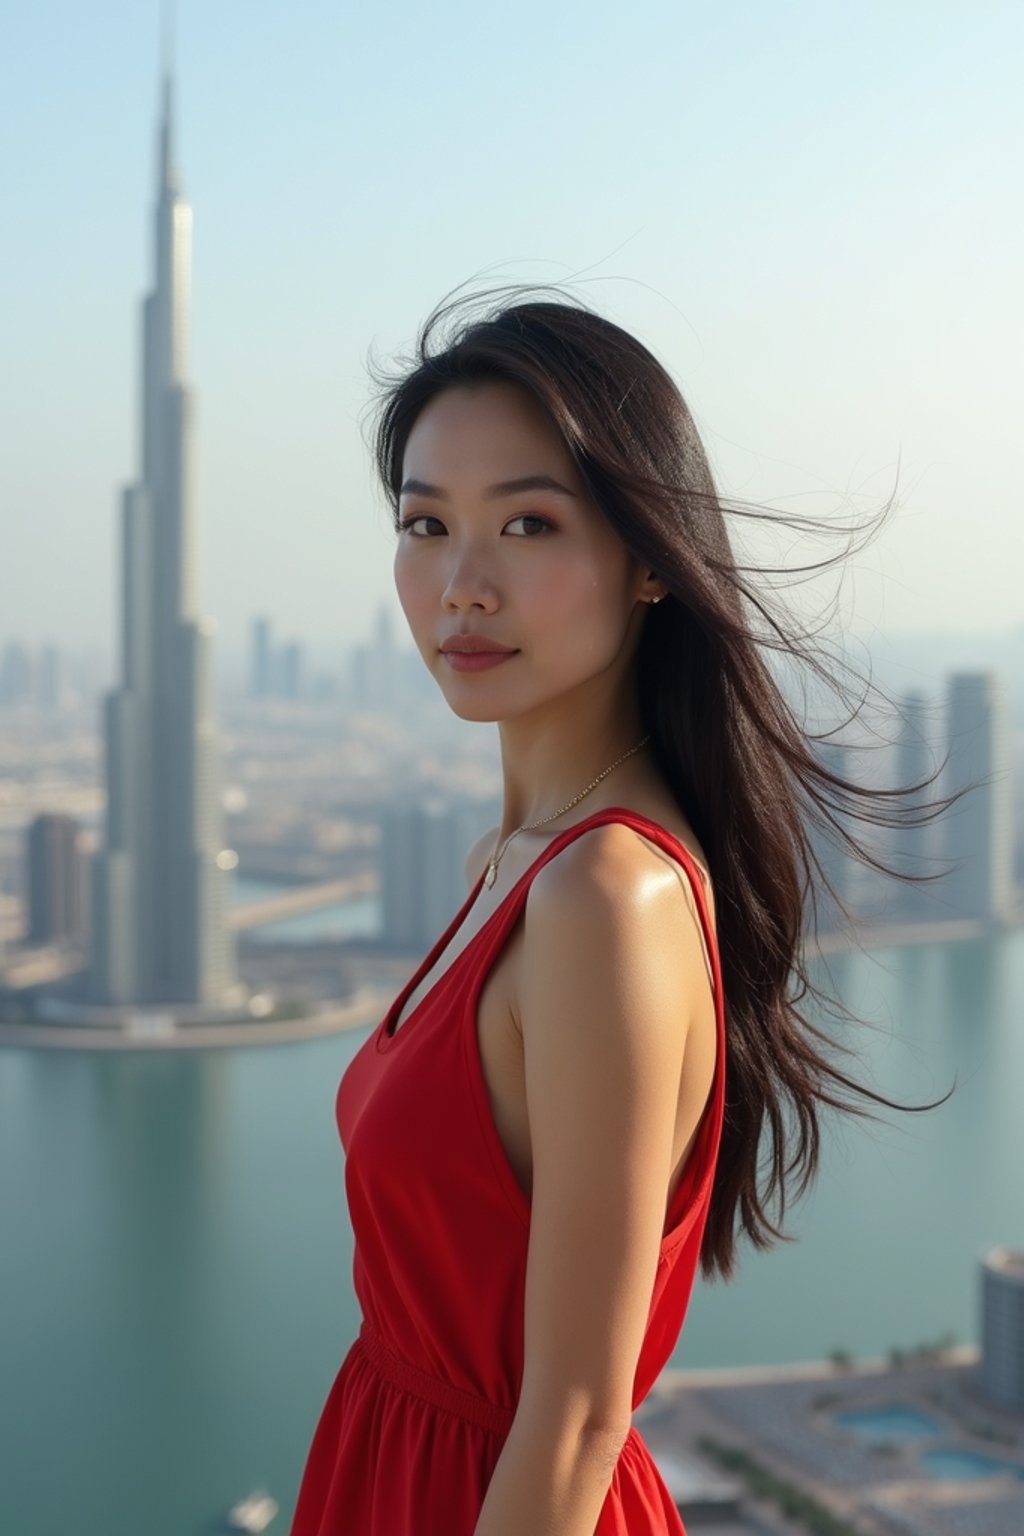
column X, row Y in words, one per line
column 167, row 177
column 167, row 30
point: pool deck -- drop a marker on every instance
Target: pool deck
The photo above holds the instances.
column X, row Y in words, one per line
column 783, row 1417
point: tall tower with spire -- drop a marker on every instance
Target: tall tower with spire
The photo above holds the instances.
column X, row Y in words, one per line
column 160, row 891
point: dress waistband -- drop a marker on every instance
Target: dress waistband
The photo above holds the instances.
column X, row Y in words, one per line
column 442, row 1394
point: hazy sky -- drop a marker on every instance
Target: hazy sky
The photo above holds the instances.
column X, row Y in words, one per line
column 810, row 211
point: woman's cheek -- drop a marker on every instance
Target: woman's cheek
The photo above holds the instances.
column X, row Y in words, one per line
column 412, row 588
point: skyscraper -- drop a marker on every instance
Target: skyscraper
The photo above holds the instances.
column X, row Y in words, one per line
column 1002, row 1327
column 261, row 678
column 978, row 829
column 912, row 847
column 423, row 850
column 55, row 893
column 160, row 894
column 837, row 863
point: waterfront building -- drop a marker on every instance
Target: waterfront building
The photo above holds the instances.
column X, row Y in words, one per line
column 423, row 853
column 54, row 866
column 913, row 848
column 978, row 829
column 1002, row 1327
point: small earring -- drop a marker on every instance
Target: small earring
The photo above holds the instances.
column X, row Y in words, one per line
column 656, row 599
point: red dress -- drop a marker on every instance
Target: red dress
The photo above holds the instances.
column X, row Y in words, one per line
column 416, row 1417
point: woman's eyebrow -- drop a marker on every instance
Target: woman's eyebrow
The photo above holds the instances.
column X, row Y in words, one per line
column 503, row 488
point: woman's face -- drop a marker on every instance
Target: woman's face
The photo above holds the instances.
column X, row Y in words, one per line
column 533, row 567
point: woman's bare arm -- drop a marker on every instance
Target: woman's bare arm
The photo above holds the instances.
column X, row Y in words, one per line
column 611, row 968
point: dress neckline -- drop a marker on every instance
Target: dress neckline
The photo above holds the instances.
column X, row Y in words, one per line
column 386, row 1036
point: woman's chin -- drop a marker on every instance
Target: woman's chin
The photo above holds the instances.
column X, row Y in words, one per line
column 481, row 713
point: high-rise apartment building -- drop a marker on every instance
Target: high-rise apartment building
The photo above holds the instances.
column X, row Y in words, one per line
column 56, row 896
column 914, row 848
column 262, row 675
column 978, row 829
column 377, row 668
column 1002, row 1327
column 423, row 853
column 15, row 673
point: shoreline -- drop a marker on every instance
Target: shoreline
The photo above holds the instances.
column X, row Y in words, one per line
column 368, row 1006
column 365, row 1010
column 859, row 1368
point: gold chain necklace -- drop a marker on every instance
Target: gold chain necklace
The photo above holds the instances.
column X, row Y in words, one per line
column 492, row 867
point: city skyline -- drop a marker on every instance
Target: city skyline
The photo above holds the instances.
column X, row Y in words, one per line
column 828, row 269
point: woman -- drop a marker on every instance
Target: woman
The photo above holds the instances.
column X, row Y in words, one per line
column 559, row 1116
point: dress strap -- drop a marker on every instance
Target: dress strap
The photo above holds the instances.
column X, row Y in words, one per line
column 513, row 903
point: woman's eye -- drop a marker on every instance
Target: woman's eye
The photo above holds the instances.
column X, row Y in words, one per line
column 531, row 517
column 542, row 524
column 421, row 517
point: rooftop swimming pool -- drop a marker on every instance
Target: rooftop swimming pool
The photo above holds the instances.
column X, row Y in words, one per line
column 963, row 1465
column 898, row 1422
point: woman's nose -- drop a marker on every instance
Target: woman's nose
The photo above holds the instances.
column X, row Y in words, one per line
column 469, row 583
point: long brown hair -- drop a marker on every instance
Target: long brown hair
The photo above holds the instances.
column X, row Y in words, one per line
column 750, row 778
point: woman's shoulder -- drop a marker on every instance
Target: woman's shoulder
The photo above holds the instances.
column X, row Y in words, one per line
column 617, row 872
column 611, row 920
column 617, row 850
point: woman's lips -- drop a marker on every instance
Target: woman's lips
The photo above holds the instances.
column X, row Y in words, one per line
column 476, row 661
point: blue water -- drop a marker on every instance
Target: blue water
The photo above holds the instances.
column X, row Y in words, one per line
column 359, row 918
column 895, row 1423
column 176, row 1258
column 355, row 919
column 965, row 1465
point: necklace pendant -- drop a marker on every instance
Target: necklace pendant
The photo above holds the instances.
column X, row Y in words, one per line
column 491, row 875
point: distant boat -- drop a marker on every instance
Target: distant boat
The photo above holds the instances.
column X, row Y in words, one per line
column 253, row 1513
